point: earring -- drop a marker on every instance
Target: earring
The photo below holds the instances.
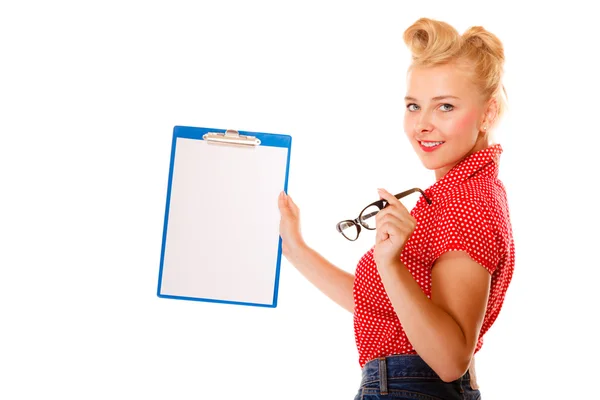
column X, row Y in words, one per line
column 485, row 128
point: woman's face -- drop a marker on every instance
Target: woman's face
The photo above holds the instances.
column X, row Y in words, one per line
column 444, row 116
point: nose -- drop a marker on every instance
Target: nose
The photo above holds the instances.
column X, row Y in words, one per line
column 423, row 123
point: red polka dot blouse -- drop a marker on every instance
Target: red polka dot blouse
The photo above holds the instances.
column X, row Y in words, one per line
column 469, row 212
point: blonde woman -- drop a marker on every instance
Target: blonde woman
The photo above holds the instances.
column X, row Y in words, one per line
column 434, row 282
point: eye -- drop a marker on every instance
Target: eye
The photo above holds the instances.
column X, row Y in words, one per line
column 451, row 107
column 411, row 107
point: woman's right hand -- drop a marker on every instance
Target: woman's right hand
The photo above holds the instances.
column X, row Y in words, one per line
column 289, row 226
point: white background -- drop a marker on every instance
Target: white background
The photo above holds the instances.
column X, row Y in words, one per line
column 89, row 95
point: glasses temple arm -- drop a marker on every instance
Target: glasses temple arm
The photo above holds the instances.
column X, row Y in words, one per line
column 407, row 192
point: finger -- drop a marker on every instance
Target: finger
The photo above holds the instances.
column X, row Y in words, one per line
column 382, row 235
column 390, row 230
column 293, row 205
column 395, row 229
column 390, row 218
column 392, row 200
column 386, row 211
column 390, row 211
column 281, row 199
column 283, row 204
column 389, row 227
column 290, row 201
column 405, row 223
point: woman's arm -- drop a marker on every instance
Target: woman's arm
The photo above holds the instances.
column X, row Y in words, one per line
column 334, row 282
column 444, row 329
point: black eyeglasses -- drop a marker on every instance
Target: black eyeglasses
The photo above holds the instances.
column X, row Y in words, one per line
column 351, row 228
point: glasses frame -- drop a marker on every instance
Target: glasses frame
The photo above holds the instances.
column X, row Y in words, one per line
column 381, row 204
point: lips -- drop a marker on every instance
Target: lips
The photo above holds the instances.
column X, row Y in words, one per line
column 429, row 146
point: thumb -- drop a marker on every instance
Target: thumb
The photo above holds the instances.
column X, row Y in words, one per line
column 283, row 203
column 293, row 206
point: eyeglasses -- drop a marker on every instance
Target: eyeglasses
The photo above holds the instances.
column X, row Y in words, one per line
column 351, row 228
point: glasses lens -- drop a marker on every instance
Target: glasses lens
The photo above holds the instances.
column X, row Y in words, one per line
column 349, row 230
column 368, row 217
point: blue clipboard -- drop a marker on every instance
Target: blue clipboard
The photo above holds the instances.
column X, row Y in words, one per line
column 220, row 239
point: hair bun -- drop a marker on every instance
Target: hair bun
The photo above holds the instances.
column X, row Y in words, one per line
column 485, row 41
column 431, row 41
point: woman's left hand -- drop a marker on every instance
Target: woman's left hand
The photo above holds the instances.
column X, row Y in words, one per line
column 395, row 226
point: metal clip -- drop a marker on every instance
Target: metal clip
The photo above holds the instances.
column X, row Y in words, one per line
column 233, row 137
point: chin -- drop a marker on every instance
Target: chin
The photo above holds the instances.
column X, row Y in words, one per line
column 431, row 164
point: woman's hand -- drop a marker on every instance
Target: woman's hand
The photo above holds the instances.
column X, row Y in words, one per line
column 395, row 226
column 289, row 226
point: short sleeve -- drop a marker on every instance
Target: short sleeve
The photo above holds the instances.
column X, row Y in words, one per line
column 464, row 223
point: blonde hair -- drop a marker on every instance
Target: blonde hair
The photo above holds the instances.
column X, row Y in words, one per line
column 433, row 42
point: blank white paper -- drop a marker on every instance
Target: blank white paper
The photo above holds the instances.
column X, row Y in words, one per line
column 222, row 236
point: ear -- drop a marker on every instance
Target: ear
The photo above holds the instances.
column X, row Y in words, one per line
column 490, row 114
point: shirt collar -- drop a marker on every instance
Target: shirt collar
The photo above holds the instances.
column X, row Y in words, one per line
column 481, row 163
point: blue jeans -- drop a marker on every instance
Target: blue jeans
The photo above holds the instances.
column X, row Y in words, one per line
column 409, row 377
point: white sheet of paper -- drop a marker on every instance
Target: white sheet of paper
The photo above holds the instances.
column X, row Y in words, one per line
column 223, row 222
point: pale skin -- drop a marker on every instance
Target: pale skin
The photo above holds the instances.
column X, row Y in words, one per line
column 442, row 105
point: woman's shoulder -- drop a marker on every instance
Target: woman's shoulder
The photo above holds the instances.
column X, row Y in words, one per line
column 484, row 191
column 480, row 196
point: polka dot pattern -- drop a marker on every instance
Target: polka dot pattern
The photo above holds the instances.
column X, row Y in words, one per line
column 469, row 212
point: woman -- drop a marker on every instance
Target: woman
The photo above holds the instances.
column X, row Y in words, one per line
column 434, row 283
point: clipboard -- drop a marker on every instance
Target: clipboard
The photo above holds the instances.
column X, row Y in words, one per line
column 221, row 238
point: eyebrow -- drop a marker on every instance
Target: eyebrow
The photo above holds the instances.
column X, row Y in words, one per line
column 437, row 98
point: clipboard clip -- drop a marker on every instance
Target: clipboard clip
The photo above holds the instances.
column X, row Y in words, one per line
column 231, row 136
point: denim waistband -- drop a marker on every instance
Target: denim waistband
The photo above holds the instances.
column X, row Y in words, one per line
column 381, row 370
column 399, row 366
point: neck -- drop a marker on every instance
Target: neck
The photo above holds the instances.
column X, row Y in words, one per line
column 480, row 144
